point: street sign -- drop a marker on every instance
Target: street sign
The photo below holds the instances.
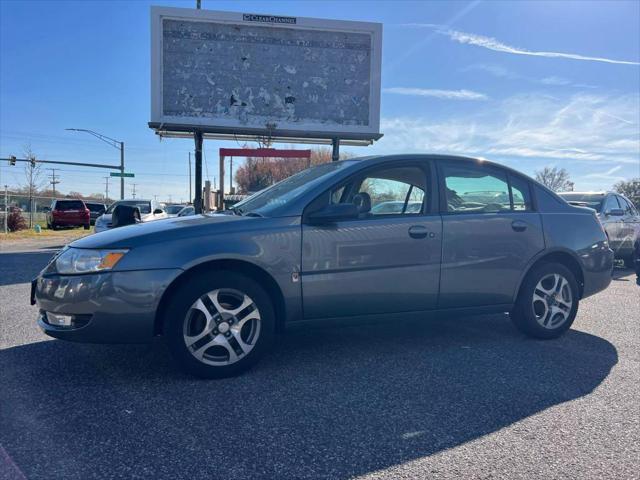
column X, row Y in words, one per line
column 118, row 174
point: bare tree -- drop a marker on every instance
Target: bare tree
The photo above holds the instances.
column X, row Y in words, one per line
column 554, row 178
column 34, row 177
column 630, row 189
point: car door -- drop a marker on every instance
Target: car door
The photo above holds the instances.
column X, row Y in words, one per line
column 490, row 232
column 379, row 262
column 612, row 223
column 629, row 223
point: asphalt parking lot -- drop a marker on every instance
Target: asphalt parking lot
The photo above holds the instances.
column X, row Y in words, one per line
column 437, row 398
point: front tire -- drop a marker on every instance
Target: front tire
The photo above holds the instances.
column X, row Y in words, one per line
column 547, row 303
column 219, row 325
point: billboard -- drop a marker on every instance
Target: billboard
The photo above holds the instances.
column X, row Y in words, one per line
column 246, row 73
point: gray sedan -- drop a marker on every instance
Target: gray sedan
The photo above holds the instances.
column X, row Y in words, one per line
column 219, row 287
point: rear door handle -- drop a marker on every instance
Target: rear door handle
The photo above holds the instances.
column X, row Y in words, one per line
column 418, row 231
column 518, row 226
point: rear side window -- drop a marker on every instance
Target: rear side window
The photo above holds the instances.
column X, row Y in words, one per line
column 69, row 205
column 520, row 194
column 471, row 189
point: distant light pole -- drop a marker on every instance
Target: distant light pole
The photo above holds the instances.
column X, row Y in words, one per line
column 113, row 143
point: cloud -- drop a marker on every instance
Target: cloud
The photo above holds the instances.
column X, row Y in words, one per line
column 592, row 129
column 446, row 94
column 502, row 72
column 497, row 46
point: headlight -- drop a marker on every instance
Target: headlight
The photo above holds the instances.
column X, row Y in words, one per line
column 79, row 260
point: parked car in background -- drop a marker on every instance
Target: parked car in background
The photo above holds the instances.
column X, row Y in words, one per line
column 396, row 207
column 179, row 210
column 187, row 211
column 173, row 210
column 619, row 217
column 68, row 213
column 218, row 287
column 95, row 210
column 149, row 210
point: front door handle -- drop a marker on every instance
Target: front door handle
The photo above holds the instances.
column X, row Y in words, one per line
column 518, row 226
column 418, row 231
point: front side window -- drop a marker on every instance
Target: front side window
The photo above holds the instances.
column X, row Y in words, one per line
column 611, row 203
column 626, row 206
column 392, row 191
column 470, row 189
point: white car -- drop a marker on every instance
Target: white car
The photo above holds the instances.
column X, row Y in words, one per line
column 179, row 210
column 149, row 211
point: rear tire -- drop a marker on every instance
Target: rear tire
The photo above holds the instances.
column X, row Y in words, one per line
column 87, row 227
column 219, row 324
column 547, row 302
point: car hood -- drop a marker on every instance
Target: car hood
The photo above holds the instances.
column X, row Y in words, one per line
column 164, row 230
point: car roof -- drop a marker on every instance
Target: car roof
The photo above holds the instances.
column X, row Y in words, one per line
column 585, row 193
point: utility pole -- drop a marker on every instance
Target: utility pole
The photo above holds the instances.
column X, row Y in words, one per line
column 133, row 194
column 106, row 189
column 53, row 181
column 6, row 209
column 121, row 170
column 31, row 167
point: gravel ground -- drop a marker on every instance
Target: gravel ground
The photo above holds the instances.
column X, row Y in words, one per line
column 454, row 398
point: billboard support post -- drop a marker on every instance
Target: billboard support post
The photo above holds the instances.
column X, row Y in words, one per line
column 197, row 203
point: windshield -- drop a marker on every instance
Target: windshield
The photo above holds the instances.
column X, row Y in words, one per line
column 145, row 207
column 69, row 205
column 591, row 200
column 95, row 207
column 173, row 209
column 286, row 190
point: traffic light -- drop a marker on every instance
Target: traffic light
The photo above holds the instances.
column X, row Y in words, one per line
column 12, row 160
column 33, row 161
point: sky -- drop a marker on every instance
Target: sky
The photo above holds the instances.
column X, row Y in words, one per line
column 526, row 84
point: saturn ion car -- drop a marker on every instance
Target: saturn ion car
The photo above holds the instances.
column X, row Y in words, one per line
column 314, row 246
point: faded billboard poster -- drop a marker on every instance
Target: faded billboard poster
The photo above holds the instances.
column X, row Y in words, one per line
column 255, row 75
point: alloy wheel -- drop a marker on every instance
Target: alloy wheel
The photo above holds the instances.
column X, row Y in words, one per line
column 552, row 301
column 222, row 327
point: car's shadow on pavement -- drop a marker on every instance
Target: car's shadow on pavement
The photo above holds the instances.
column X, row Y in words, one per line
column 327, row 403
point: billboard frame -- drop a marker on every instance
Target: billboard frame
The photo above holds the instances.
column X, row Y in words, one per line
column 167, row 124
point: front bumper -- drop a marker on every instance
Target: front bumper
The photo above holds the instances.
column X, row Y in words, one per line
column 111, row 307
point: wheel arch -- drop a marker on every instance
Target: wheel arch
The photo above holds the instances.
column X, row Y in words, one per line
column 563, row 257
column 247, row 268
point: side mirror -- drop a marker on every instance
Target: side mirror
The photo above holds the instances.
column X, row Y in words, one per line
column 614, row 212
column 333, row 213
column 158, row 211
